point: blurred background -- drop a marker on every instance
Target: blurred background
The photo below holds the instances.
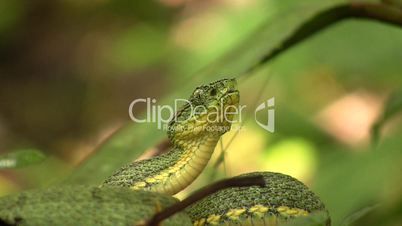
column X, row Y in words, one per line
column 69, row 70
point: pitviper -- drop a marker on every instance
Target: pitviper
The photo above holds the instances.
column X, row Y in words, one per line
column 193, row 133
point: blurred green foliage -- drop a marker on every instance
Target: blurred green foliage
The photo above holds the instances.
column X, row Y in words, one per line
column 21, row 158
column 392, row 107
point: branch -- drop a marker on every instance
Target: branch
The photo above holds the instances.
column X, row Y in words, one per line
column 368, row 11
column 227, row 183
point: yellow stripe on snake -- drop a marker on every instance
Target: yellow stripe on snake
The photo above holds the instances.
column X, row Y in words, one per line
column 136, row 191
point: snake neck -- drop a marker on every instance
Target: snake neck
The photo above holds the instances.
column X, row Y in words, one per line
column 194, row 132
column 190, row 158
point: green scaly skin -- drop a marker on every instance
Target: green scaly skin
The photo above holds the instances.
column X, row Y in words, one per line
column 194, row 135
column 115, row 202
column 282, row 198
column 85, row 206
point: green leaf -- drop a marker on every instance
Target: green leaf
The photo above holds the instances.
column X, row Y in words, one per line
column 348, row 181
column 130, row 142
column 392, row 106
column 269, row 36
column 21, row 158
column 357, row 215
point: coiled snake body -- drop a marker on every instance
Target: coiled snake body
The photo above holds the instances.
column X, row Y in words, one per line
column 193, row 132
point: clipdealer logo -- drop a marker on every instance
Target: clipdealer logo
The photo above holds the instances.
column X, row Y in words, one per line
column 267, row 106
column 163, row 114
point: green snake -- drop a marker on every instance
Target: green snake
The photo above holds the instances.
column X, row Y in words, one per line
column 138, row 190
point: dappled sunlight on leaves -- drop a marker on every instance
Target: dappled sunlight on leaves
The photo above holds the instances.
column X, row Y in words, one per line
column 349, row 118
column 296, row 157
column 243, row 154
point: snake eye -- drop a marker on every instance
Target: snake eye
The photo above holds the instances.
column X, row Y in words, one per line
column 198, row 93
column 212, row 92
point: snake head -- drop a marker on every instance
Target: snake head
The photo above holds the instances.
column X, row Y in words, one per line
column 210, row 110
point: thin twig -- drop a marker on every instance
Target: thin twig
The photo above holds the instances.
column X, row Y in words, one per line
column 258, row 97
column 368, row 11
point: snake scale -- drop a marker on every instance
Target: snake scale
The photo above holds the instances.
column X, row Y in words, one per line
column 140, row 189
